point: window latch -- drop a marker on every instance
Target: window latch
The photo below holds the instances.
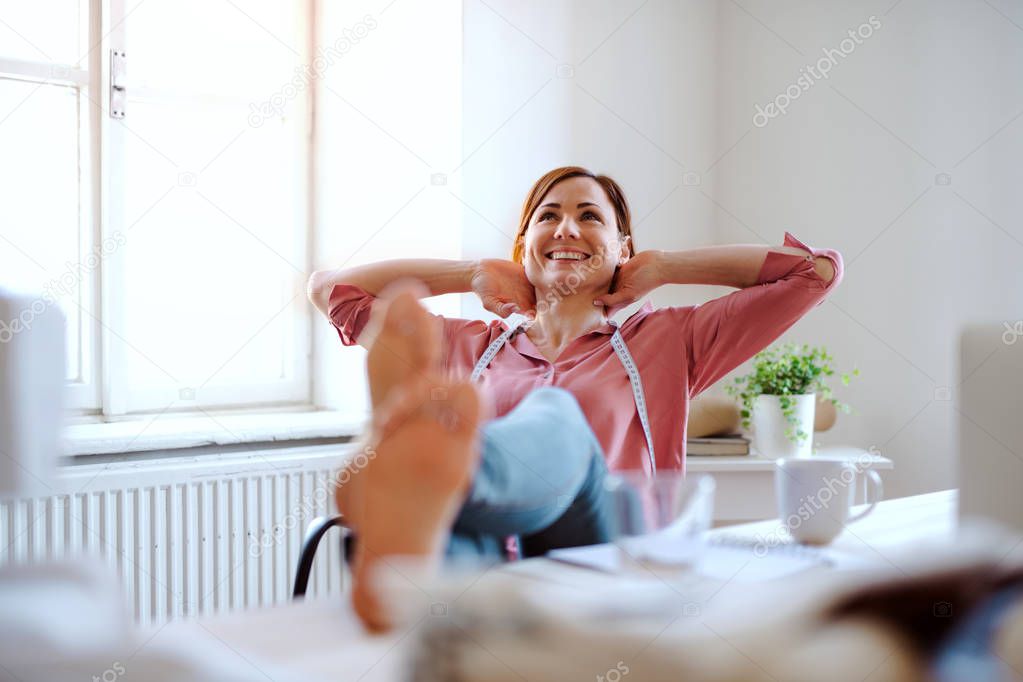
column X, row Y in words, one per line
column 118, row 83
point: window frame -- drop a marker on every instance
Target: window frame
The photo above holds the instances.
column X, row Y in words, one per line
column 82, row 392
column 103, row 388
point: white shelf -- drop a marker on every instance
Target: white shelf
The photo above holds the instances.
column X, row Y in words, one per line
column 755, row 463
column 745, row 485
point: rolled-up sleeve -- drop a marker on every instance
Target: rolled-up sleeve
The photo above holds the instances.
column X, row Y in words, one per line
column 723, row 333
column 349, row 308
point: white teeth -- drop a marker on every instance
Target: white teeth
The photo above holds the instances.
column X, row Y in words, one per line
column 566, row 255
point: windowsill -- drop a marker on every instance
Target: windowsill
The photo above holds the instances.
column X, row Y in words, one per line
column 175, row 432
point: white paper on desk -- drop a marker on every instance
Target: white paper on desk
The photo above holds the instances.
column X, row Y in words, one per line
column 720, row 562
column 606, row 558
column 742, row 565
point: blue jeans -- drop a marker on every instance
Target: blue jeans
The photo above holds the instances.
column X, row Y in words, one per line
column 541, row 478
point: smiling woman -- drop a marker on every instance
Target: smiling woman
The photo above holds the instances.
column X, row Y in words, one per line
column 574, row 265
column 573, row 393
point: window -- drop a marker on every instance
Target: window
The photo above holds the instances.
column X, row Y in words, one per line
column 174, row 238
column 44, row 135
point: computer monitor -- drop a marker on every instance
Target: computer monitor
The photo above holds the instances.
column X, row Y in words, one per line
column 31, row 392
column 989, row 402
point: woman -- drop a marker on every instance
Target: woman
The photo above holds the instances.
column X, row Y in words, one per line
column 625, row 389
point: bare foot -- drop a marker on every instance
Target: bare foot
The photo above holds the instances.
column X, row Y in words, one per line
column 423, row 449
column 403, row 339
column 404, row 344
column 413, row 487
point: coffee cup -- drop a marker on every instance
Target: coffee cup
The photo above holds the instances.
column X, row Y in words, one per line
column 815, row 496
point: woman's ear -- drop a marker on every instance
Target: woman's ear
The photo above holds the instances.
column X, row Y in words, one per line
column 624, row 250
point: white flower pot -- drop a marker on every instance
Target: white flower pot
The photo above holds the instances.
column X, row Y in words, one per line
column 769, row 426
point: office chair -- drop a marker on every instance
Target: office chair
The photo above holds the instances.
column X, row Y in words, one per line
column 315, row 531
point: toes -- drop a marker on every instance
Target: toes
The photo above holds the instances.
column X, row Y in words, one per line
column 411, row 332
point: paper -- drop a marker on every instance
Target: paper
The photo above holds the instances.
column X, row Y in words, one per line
column 712, row 560
column 742, row 565
column 605, row 558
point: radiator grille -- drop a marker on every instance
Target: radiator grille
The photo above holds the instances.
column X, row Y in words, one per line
column 197, row 542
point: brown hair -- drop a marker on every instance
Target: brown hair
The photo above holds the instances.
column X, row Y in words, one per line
column 551, row 178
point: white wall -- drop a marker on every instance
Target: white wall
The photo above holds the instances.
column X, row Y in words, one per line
column 389, row 120
column 853, row 166
column 660, row 89
column 633, row 98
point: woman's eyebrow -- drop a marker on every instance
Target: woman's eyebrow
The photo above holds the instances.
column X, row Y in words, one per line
column 585, row 203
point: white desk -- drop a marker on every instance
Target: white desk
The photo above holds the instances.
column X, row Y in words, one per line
column 745, row 485
column 323, row 640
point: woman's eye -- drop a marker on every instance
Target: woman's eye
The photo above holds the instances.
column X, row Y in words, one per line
column 591, row 213
column 544, row 216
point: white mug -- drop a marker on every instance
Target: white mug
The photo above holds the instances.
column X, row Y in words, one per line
column 814, row 496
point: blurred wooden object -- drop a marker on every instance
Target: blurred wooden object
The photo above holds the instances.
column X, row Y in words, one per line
column 824, row 416
column 713, row 416
column 710, row 416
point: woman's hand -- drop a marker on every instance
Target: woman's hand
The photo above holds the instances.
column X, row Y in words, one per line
column 640, row 275
column 503, row 288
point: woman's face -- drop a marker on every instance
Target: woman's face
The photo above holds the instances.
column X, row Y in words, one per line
column 572, row 242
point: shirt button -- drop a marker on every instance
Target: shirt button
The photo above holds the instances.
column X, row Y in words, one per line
column 547, row 374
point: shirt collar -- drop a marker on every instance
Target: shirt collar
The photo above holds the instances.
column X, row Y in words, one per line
column 608, row 328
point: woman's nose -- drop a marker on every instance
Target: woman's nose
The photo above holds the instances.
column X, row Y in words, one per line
column 567, row 229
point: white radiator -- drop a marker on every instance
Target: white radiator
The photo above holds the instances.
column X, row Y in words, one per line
column 192, row 535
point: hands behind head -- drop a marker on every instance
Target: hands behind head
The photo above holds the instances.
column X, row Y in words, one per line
column 503, row 288
column 635, row 279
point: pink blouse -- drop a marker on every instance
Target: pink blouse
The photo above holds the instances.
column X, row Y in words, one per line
column 680, row 351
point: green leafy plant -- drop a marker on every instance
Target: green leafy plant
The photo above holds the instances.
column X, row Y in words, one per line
column 786, row 371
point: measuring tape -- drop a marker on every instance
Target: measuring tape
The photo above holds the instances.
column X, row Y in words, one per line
column 620, row 349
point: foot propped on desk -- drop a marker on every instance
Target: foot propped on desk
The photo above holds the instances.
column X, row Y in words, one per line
column 403, row 500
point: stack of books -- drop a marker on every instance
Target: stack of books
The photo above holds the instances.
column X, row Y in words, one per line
column 718, row 446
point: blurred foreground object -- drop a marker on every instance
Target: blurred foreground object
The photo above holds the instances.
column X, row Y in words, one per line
column 31, row 390
column 989, row 420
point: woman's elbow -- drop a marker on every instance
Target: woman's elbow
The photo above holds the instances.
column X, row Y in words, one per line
column 825, row 268
column 316, row 289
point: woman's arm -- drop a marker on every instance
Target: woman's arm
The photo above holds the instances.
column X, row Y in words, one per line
column 737, row 265
column 777, row 286
column 721, row 334
column 439, row 277
column 501, row 285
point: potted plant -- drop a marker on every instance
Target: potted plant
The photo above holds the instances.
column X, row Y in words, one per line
column 778, row 397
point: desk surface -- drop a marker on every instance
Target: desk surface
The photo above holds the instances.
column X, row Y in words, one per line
column 323, row 640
